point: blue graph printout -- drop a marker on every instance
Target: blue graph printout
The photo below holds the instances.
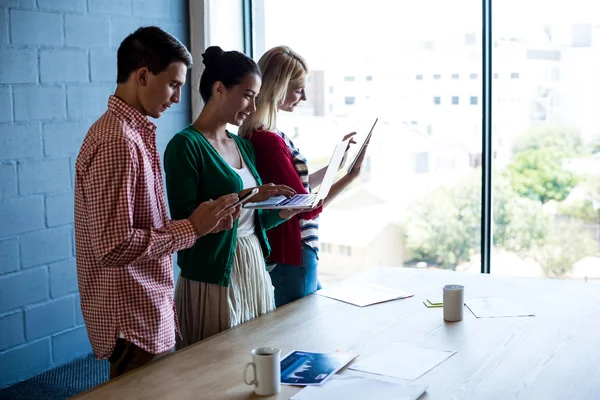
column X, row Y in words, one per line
column 307, row 368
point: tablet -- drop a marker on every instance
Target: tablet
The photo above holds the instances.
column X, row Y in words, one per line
column 362, row 147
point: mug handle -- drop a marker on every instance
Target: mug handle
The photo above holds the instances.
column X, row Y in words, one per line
column 253, row 381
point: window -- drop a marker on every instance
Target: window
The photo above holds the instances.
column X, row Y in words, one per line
column 369, row 78
column 421, row 163
column 552, row 85
column 546, row 55
column 582, row 35
column 325, row 247
column 330, row 89
column 349, row 79
column 428, row 45
column 475, row 160
column 403, row 93
column 470, row 39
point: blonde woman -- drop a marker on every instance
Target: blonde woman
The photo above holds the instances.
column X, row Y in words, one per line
column 294, row 257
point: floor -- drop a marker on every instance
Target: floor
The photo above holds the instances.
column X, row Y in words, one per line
column 60, row 383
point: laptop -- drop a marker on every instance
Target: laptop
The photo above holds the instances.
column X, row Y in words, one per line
column 300, row 201
column 362, row 147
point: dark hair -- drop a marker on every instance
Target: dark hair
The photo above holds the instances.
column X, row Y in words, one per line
column 149, row 47
column 229, row 67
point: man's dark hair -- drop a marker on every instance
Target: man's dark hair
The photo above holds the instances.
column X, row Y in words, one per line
column 149, row 47
column 229, row 67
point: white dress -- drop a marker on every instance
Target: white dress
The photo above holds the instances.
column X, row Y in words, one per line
column 205, row 309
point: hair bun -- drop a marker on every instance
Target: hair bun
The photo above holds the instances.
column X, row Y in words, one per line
column 212, row 55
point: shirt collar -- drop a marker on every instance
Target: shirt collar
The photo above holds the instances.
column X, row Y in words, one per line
column 128, row 113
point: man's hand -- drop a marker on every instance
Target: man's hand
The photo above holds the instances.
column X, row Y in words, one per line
column 227, row 222
column 208, row 215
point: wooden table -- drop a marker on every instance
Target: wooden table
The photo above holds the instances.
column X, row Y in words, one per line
column 554, row 355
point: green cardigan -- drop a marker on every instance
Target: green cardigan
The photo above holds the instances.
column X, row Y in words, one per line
column 195, row 172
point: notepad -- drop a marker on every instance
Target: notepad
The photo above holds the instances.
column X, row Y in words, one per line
column 402, row 360
column 495, row 307
column 433, row 304
column 362, row 294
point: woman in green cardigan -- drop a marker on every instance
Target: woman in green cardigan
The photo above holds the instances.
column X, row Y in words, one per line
column 223, row 280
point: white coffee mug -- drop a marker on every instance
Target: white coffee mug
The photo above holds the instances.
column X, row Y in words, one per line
column 267, row 371
column 454, row 300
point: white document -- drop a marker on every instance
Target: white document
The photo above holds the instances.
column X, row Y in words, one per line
column 491, row 307
column 359, row 388
column 402, row 360
column 362, row 293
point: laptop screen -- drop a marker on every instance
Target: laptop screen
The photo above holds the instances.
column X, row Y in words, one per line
column 332, row 169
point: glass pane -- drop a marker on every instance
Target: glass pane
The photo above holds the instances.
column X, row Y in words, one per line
column 418, row 201
column 546, row 138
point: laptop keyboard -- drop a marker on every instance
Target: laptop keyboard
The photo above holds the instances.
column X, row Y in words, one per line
column 299, row 200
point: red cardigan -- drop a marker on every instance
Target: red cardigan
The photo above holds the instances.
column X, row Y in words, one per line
column 275, row 164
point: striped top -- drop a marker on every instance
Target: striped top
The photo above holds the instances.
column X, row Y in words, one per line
column 276, row 164
column 309, row 229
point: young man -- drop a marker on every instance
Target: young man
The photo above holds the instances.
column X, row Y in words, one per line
column 124, row 237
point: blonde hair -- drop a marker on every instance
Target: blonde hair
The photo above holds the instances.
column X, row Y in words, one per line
column 280, row 66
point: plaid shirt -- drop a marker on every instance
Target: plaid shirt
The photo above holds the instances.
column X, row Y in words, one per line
column 124, row 238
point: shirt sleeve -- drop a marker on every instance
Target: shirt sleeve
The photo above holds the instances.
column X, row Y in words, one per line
column 109, row 188
column 274, row 162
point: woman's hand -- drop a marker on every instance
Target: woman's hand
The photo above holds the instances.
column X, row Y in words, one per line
column 265, row 192
column 351, row 142
column 355, row 172
column 291, row 213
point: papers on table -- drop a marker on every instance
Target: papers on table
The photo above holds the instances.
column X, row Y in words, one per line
column 362, row 293
column 402, row 360
column 491, row 307
column 359, row 388
column 306, row 368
